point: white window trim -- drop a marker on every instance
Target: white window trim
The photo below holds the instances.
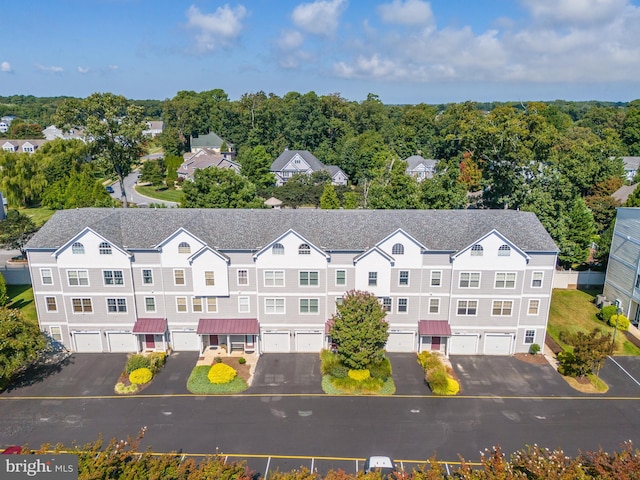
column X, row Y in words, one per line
column 309, row 285
column 146, row 307
column 42, row 275
column 246, row 278
column 264, row 278
column 194, row 301
column 502, row 308
column 374, row 277
column 515, row 280
column 207, row 308
column 242, row 308
column 529, row 307
column 309, row 300
column 437, row 312
column 142, row 276
column 51, row 328
column 345, row 277
column 46, row 303
column 431, row 278
column 82, row 303
column 400, row 284
column 400, row 312
column 275, row 299
column 524, row 338
column 470, row 273
column 533, row 274
column 466, row 314
column 186, row 305
column 113, row 277
column 78, row 278
column 184, row 277
column 117, row 312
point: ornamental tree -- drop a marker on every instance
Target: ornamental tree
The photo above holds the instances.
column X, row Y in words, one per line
column 359, row 330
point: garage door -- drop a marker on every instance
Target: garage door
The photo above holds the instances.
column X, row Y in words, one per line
column 185, row 341
column 87, row 341
column 121, row 342
column 463, row 345
column 401, row 342
column 497, row 344
column 275, row 342
column 309, row 341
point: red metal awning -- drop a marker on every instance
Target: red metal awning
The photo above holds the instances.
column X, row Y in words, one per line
column 228, row 326
column 150, row 325
column 434, row 328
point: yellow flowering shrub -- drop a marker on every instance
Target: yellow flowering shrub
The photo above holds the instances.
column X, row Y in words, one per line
column 453, row 387
column 221, row 373
column 359, row 375
column 140, row 376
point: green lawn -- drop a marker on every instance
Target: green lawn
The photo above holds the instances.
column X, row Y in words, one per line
column 21, row 297
column 39, row 215
column 166, row 194
column 573, row 311
column 199, row 383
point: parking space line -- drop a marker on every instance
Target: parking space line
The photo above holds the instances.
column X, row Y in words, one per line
column 622, row 368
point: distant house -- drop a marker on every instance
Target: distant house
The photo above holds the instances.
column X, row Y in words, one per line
column 52, row 132
column 21, row 146
column 5, row 122
column 420, row 168
column 623, row 193
column 205, row 158
column 154, row 128
column 631, row 165
column 291, row 162
column 210, row 141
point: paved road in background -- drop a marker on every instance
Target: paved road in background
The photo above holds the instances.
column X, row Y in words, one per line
column 134, row 197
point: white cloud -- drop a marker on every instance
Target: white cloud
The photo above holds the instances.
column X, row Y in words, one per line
column 112, row 67
column 218, row 29
column 50, row 69
column 575, row 12
column 290, row 54
column 5, row 67
column 83, row 70
column 320, row 17
column 290, row 40
column 408, row 12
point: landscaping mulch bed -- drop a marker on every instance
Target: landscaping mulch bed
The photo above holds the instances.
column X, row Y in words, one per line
column 243, row 370
column 534, row 359
column 124, row 378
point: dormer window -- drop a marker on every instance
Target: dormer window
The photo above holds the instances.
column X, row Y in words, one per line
column 77, row 248
column 477, row 250
column 504, row 251
column 304, row 249
column 277, row 249
column 397, row 249
column 184, row 247
column 104, row 248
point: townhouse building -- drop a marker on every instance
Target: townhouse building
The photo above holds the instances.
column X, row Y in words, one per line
column 454, row 281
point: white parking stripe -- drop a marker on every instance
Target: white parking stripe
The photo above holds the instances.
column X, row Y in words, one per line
column 622, row 368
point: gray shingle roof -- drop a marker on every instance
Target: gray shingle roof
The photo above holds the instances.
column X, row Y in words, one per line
column 285, row 157
column 352, row 230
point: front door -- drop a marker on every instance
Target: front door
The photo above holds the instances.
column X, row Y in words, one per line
column 150, row 342
column 213, row 340
column 435, row 343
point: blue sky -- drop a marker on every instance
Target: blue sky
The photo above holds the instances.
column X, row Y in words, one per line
column 405, row 51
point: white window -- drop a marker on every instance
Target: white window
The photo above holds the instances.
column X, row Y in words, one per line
column 149, row 304
column 116, row 305
column 52, row 306
column 209, row 279
column 436, row 278
column 403, row 305
column 147, row 276
column 477, row 250
column 534, row 307
column 274, row 278
column 212, row 304
column 56, row 334
column 181, row 304
column 196, row 304
column 243, row 305
column 502, row 308
column 308, row 305
column 339, row 301
column 536, row 279
column 341, row 277
column 397, row 249
column 403, row 278
column 104, row 248
column 178, row 277
column 304, row 249
column 46, row 276
column 77, row 248
column 504, row 251
column 373, row 279
column 113, row 277
column 434, row 305
column 78, row 278
column 386, row 304
column 469, row 280
column 82, row 305
column 308, row 279
column 243, row 277
column 277, row 249
column 274, row 305
column 529, row 337
column 467, row 307
column 505, row 280
column 184, row 248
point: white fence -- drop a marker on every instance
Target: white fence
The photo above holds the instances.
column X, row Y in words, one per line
column 574, row 278
column 16, row 274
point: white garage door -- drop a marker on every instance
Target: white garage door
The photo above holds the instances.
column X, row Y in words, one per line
column 275, row 342
column 497, row 344
column 309, row 341
column 87, row 341
column 463, row 345
column 185, row 341
column 401, row 342
column 121, row 342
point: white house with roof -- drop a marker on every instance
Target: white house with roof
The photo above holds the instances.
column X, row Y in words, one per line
column 268, row 280
column 205, row 158
column 420, row 168
column 631, row 165
column 291, row 162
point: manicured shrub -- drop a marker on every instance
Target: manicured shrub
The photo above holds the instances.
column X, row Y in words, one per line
column 438, row 381
column 453, row 387
column 328, row 360
column 124, row 389
column 339, row 371
column 534, row 349
column 606, row 313
column 359, row 375
column 623, row 322
column 221, row 373
column 140, row 376
column 381, row 369
column 137, row 361
column 369, row 385
column 242, row 360
column 156, row 361
column 218, row 359
column 566, row 361
column 428, row 360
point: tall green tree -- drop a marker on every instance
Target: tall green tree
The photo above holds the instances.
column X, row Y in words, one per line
column 394, row 190
column 219, row 188
column 255, row 165
column 153, row 172
column 329, row 199
column 115, row 126
column 16, row 230
column 589, row 351
column 359, row 330
column 443, row 190
column 78, row 190
column 22, row 178
column 21, row 342
column 581, row 228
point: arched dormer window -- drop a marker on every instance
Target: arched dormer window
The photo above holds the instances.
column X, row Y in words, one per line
column 304, row 249
column 477, row 250
column 397, row 249
column 77, row 248
column 104, row 248
column 184, row 247
column 277, row 249
column 504, row 251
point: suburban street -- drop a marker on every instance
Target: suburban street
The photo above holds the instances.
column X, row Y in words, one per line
column 76, row 404
column 134, row 197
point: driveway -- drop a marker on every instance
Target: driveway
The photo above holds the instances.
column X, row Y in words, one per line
column 287, row 373
column 407, row 374
column 172, row 378
column 622, row 374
